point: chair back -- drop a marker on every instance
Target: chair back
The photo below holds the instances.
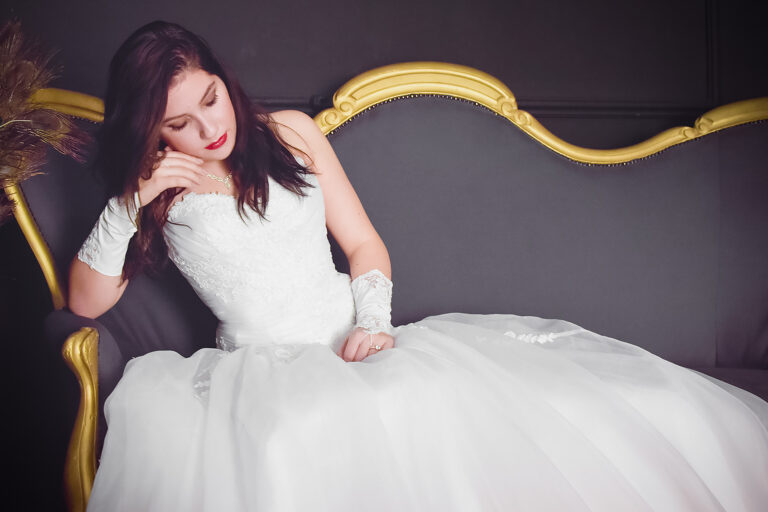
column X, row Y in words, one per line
column 668, row 251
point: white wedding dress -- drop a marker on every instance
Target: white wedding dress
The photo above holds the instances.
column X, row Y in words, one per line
column 467, row 413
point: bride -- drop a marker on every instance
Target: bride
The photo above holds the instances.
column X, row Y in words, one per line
column 311, row 399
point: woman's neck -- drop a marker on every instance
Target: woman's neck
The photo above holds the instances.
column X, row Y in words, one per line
column 216, row 167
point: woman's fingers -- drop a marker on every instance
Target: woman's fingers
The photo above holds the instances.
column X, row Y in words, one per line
column 183, row 161
column 179, row 168
column 351, row 347
column 170, row 152
column 178, row 158
column 340, row 352
column 177, row 155
column 383, row 341
column 172, row 178
column 164, row 178
column 357, row 346
column 388, row 342
column 363, row 348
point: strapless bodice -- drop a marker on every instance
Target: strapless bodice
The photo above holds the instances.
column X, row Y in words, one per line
column 267, row 280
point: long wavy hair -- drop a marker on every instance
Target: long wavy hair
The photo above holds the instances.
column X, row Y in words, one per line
column 140, row 74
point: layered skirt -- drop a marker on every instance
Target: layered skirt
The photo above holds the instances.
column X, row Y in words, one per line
column 467, row 413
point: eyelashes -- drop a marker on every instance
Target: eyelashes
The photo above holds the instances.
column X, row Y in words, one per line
column 209, row 104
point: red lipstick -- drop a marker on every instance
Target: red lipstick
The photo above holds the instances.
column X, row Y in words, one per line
column 218, row 143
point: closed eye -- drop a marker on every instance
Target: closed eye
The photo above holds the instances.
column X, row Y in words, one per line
column 209, row 104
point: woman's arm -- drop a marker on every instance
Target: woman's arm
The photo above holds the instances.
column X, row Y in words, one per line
column 95, row 273
column 344, row 214
column 91, row 293
column 348, row 223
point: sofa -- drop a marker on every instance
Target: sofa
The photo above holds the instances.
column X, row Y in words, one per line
column 661, row 244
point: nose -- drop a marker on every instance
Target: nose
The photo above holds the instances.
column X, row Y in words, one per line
column 207, row 128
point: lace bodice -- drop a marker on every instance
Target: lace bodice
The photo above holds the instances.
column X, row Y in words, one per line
column 267, row 280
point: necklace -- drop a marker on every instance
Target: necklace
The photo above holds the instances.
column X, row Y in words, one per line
column 224, row 180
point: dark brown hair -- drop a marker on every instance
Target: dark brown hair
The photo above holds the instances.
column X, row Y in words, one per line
column 140, row 74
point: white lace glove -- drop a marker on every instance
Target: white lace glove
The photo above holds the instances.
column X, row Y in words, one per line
column 104, row 249
column 372, row 293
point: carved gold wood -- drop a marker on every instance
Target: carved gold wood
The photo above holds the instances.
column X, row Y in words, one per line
column 37, row 244
column 427, row 77
column 81, row 353
column 72, row 103
column 68, row 102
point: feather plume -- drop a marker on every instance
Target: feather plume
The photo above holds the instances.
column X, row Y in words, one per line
column 26, row 128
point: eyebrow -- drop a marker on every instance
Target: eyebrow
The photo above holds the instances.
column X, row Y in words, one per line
column 201, row 101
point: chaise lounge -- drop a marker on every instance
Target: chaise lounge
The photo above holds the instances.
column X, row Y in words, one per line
column 661, row 244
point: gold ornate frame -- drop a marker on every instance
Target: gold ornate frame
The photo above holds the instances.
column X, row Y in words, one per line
column 80, row 351
column 428, row 77
column 78, row 105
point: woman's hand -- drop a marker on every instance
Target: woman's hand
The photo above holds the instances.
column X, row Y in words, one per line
column 359, row 344
column 174, row 169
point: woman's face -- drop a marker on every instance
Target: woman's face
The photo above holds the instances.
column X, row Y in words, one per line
column 199, row 118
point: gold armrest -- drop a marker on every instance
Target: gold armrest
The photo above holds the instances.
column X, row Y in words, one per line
column 81, row 353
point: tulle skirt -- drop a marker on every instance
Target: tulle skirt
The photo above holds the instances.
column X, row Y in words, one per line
column 467, row 413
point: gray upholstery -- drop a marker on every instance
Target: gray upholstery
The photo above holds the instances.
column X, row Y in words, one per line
column 742, row 321
column 668, row 252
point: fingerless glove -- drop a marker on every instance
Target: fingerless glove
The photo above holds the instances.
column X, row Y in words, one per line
column 372, row 293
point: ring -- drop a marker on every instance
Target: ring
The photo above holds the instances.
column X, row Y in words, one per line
column 370, row 342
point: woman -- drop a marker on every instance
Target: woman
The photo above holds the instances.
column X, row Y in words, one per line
column 312, row 400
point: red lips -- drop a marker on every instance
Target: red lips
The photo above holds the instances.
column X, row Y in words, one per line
column 218, row 143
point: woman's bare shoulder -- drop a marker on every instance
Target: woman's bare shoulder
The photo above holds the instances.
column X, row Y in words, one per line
column 291, row 118
column 294, row 127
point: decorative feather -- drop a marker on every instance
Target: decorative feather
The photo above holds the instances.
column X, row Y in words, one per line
column 26, row 128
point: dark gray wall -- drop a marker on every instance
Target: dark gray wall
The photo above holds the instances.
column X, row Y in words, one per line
column 598, row 73
column 631, row 68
